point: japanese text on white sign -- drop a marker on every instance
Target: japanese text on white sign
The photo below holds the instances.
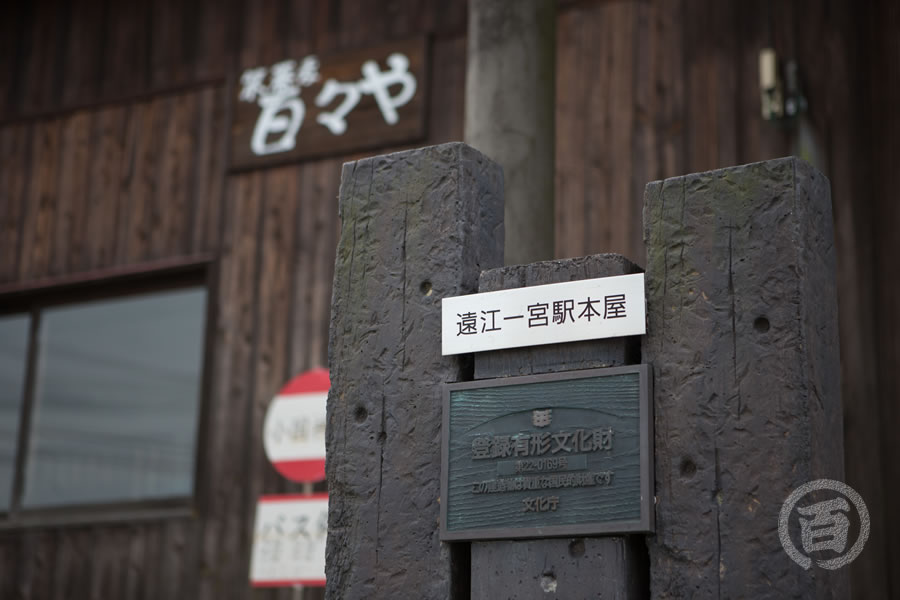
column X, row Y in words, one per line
column 289, row 541
column 282, row 110
column 544, row 314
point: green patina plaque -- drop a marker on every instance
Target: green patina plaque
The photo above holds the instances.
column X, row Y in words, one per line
column 548, row 455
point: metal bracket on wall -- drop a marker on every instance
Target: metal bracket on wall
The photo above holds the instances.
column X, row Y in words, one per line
column 780, row 93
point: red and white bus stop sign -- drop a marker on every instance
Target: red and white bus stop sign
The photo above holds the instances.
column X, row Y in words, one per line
column 294, row 430
column 289, row 541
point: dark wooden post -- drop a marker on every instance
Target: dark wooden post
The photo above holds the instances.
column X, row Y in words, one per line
column 416, row 226
column 570, row 568
column 742, row 335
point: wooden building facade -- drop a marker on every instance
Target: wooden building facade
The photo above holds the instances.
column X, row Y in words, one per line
column 115, row 164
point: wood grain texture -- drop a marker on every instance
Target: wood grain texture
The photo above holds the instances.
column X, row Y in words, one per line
column 574, row 569
column 279, row 200
column 315, row 242
column 556, row 357
column 42, row 200
column 742, row 332
column 102, row 205
column 417, row 226
column 224, row 544
column 142, row 216
column 38, row 79
column 557, row 567
column 117, row 62
column 83, row 66
column 447, row 93
column 15, row 156
column 696, row 71
column 11, row 45
column 883, row 25
column 597, row 113
column 126, row 51
column 104, row 52
column 128, row 178
column 69, row 243
column 205, row 198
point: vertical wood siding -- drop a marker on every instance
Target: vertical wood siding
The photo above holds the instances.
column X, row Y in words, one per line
column 654, row 89
column 114, row 124
column 112, row 153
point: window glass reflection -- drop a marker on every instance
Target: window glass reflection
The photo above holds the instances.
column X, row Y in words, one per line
column 13, row 358
column 116, row 400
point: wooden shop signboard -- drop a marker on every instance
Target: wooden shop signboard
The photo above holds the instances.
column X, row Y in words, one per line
column 305, row 107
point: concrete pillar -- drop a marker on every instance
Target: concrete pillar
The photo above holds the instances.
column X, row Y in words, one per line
column 510, row 92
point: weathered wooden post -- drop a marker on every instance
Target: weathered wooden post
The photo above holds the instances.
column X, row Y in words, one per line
column 569, row 567
column 547, row 484
column 742, row 335
column 416, row 226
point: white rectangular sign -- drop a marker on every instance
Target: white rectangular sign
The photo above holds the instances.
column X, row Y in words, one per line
column 289, row 541
column 544, row 314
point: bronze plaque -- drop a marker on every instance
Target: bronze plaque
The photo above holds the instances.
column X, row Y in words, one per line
column 314, row 106
column 548, row 455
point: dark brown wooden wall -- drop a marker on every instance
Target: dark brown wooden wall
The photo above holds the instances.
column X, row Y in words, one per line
column 113, row 140
column 113, row 121
column 653, row 89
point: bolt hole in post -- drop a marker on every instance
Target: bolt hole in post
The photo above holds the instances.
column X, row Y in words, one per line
column 548, row 582
column 425, row 288
column 687, row 467
column 761, row 324
column 360, row 414
column 576, row 548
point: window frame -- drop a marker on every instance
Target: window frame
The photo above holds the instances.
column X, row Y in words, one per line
column 32, row 298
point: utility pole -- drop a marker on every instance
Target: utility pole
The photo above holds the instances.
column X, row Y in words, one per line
column 510, row 94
